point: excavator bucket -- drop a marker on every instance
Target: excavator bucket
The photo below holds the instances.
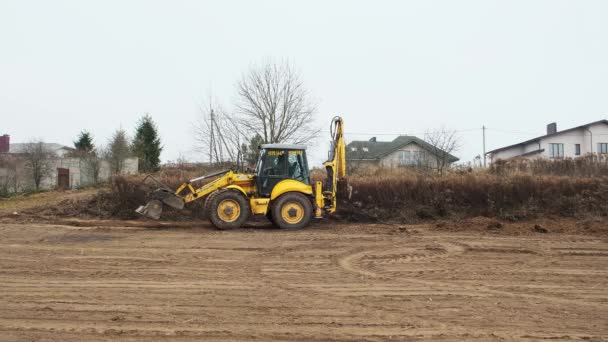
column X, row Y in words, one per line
column 160, row 197
column 152, row 209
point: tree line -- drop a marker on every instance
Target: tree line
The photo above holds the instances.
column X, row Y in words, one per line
column 35, row 157
column 145, row 145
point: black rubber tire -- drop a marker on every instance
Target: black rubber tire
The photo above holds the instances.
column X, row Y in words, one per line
column 213, row 201
column 284, row 199
column 269, row 215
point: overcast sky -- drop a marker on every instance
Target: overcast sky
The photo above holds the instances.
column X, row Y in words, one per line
column 387, row 67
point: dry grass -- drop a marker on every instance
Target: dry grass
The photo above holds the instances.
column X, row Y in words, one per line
column 510, row 191
column 592, row 165
column 410, row 197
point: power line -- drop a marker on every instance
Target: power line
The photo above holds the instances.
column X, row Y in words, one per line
column 409, row 133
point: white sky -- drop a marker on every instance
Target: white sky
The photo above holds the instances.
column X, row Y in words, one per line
column 385, row 66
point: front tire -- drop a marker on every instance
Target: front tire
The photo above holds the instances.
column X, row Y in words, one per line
column 227, row 209
column 292, row 211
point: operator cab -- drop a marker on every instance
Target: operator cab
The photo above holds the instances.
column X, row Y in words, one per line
column 278, row 162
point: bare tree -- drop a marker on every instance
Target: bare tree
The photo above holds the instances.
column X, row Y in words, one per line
column 218, row 135
column 92, row 162
column 9, row 177
column 118, row 150
column 273, row 102
column 443, row 143
column 36, row 157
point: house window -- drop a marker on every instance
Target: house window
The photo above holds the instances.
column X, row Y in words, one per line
column 556, row 150
column 353, row 149
column 365, row 149
column 577, row 149
column 602, row 148
column 407, row 158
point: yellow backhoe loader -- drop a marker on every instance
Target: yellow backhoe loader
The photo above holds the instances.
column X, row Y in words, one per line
column 280, row 188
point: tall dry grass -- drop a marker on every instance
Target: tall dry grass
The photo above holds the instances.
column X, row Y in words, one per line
column 411, row 197
column 591, row 165
column 511, row 190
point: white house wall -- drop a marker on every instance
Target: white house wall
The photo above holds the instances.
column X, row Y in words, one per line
column 79, row 174
column 393, row 159
column 509, row 153
column 600, row 135
column 588, row 138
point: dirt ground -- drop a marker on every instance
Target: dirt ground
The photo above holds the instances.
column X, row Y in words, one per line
column 124, row 281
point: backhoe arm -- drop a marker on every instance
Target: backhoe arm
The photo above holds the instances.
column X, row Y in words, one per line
column 336, row 170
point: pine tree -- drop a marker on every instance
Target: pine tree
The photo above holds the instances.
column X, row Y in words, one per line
column 146, row 144
column 118, row 151
column 84, row 142
column 253, row 150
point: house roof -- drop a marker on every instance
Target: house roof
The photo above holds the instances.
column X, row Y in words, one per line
column 531, row 153
column 549, row 135
column 373, row 150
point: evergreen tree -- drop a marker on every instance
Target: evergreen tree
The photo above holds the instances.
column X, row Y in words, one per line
column 253, row 151
column 146, row 144
column 84, row 142
column 118, row 151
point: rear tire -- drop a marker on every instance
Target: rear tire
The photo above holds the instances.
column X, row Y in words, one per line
column 227, row 209
column 292, row 211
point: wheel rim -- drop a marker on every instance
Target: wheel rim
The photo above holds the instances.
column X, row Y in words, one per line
column 292, row 212
column 228, row 210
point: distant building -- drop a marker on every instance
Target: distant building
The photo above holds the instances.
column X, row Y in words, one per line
column 569, row 143
column 402, row 151
column 55, row 149
column 66, row 171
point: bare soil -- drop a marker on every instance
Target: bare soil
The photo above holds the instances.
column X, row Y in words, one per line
column 135, row 281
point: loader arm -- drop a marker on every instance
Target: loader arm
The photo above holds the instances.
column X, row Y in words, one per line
column 187, row 193
column 194, row 194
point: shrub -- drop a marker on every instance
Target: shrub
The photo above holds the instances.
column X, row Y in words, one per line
column 408, row 197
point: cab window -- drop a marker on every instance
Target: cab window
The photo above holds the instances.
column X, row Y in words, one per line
column 274, row 163
column 296, row 166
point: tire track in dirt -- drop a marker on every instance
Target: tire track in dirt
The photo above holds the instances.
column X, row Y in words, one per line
column 198, row 285
column 353, row 262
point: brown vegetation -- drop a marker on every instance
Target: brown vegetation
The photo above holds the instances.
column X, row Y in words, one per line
column 413, row 197
column 591, row 165
column 507, row 191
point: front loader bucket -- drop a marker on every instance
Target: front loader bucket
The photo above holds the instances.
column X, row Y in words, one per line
column 160, row 197
column 152, row 209
column 169, row 198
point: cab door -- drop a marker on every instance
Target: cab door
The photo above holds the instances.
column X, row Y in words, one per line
column 273, row 169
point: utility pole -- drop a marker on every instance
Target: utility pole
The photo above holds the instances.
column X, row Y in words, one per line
column 211, row 139
column 483, row 128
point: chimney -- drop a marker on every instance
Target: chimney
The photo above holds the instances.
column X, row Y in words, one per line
column 373, row 139
column 552, row 128
column 5, row 143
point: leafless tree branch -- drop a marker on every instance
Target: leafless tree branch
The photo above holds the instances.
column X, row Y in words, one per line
column 444, row 143
column 36, row 157
column 273, row 102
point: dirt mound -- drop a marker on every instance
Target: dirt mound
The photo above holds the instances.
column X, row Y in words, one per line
column 117, row 202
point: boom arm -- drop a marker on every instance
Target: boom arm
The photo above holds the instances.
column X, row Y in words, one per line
column 336, row 169
column 224, row 180
column 164, row 196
